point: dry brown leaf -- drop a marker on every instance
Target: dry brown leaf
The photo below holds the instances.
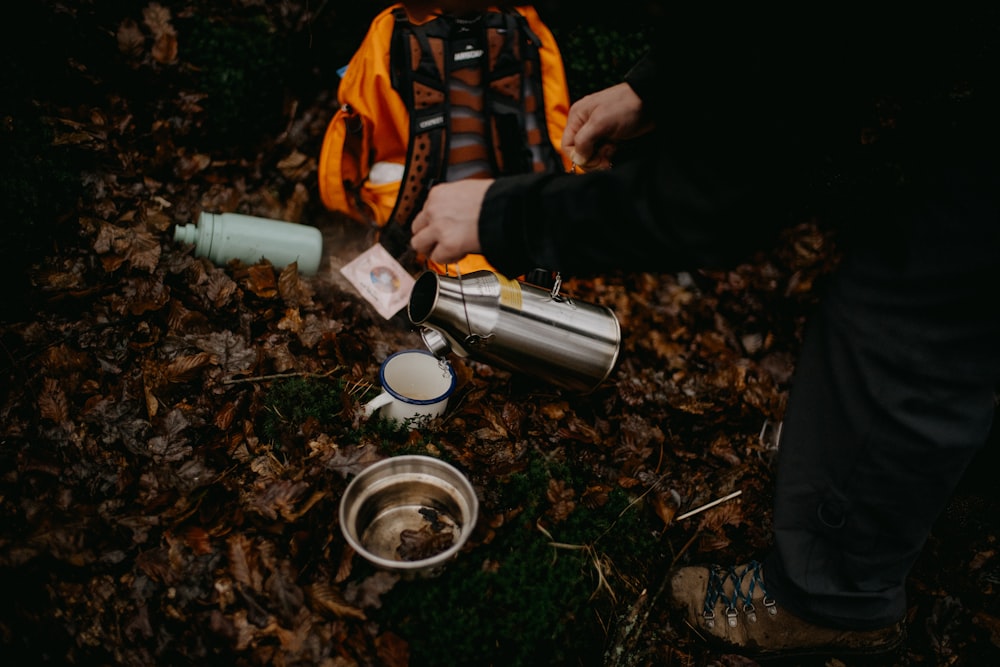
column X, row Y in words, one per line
column 229, row 350
column 165, row 49
column 261, row 281
column 292, row 321
column 119, row 244
column 220, row 288
column 713, row 345
column 392, row 650
column 141, row 295
column 171, row 445
column 315, row 329
column 554, row 411
column 285, row 594
column 990, row 623
column 109, row 240
column 61, row 358
column 52, row 403
column 184, row 369
column 325, row 597
column 294, row 160
column 144, row 251
column 514, row 416
column 304, row 507
column 277, row 497
column 181, row 319
column 152, row 378
column 424, row 542
column 297, row 166
column 496, row 428
column 709, row 541
column 353, row 459
column 726, row 514
column 595, row 495
column 664, row 506
column 293, row 290
column 295, row 205
column 626, row 482
column 980, row 558
column 368, row 593
column 198, row 539
column 243, row 565
column 245, row 632
column 131, row 40
column 157, row 19
column 187, row 166
column 579, row 430
column 346, row 565
column 670, row 351
column 562, row 500
column 722, row 447
column 224, row 417
column 157, row 220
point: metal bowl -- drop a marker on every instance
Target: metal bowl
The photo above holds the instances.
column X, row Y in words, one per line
column 409, row 514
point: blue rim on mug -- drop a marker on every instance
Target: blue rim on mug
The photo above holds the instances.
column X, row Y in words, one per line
column 414, row 401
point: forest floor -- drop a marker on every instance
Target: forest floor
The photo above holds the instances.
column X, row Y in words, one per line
column 175, row 436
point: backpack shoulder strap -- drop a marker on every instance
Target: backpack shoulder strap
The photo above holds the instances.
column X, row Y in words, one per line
column 417, row 62
column 516, row 98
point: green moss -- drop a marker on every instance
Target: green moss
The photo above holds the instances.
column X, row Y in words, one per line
column 292, row 404
column 518, row 600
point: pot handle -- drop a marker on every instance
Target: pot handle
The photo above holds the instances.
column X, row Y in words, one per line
column 556, row 286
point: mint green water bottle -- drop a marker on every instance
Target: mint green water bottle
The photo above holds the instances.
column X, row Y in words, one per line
column 227, row 236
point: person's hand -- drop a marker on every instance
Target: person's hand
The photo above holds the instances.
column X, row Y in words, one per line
column 447, row 227
column 598, row 121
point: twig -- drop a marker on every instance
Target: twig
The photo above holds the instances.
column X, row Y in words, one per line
column 708, row 506
column 278, row 376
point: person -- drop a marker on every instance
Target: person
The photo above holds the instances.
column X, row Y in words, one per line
column 885, row 128
column 441, row 91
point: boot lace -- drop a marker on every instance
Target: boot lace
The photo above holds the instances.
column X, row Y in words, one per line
column 744, row 580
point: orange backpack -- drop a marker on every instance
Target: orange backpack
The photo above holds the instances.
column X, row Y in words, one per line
column 441, row 98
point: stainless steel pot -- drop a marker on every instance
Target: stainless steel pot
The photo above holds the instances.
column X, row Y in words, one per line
column 409, row 514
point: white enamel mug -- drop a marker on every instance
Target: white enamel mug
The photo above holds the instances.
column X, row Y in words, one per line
column 415, row 387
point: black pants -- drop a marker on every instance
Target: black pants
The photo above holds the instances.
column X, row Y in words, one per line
column 894, row 394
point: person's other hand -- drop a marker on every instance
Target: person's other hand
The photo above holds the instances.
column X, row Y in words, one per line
column 597, row 122
column 447, row 227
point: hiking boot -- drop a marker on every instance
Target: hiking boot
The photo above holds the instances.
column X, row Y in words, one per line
column 731, row 610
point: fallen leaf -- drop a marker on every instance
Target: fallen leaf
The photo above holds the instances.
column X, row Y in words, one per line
column 562, row 500
column 52, row 402
column 328, row 598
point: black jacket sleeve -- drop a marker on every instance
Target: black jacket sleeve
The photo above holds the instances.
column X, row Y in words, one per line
column 762, row 120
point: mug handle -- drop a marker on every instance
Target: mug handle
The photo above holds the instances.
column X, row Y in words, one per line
column 371, row 406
